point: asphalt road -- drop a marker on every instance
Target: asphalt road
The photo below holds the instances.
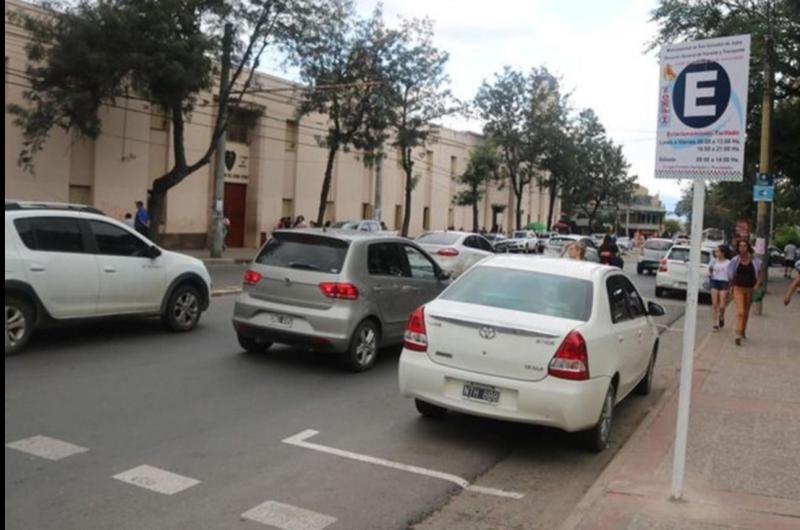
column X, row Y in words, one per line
column 196, row 405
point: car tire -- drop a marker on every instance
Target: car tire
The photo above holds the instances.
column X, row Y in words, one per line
column 363, row 350
column 660, row 292
column 183, row 309
column 252, row 344
column 19, row 324
column 597, row 438
column 645, row 386
column 429, row 410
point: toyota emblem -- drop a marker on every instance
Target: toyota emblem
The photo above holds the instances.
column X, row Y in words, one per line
column 487, row 332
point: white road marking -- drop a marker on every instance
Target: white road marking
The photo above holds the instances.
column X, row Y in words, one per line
column 299, row 440
column 46, row 447
column 288, row 517
column 155, row 479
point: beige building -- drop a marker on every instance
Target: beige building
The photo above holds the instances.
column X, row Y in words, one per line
column 275, row 167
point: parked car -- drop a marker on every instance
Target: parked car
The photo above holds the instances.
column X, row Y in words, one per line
column 653, row 251
column 367, row 225
column 544, row 341
column 544, row 237
column 495, row 238
column 519, row 241
column 347, row 293
column 456, row 252
column 624, row 243
column 597, row 239
column 556, row 246
column 776, row 256
column 68, row 263
column 673, row 270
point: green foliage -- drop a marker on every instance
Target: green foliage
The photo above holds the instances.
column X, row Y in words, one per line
column 672, row 227
column 482, row 168
column 787, row 234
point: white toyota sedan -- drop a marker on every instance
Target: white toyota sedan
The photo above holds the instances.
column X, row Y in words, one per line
column 548, row 341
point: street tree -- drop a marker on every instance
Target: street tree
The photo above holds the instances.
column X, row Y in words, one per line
column 86, row 56
column 601, row 170
column 343, row 61
column 418, row 96
column 482, row 169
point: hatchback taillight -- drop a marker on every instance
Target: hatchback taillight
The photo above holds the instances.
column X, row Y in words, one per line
column 343, row 291
column 571, row 360
column 449, row 252
column 251, row 277
column 416, row 336
column 662, row 266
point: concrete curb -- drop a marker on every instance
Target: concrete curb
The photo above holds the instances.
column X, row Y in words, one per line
column 226, row 261
column 225, row 291
column 598, row 489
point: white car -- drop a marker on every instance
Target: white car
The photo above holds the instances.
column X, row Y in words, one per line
column 557, row 245
column 367, row 225
column 519, row 241
column 673, row 271
column 71, row 263
column 624, row 243
column 546, row 341
column 455, row 252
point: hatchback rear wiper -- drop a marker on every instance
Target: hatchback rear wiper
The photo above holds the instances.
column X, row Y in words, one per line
column 306, row 266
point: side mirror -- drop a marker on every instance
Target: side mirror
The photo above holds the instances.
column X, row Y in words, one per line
column 655, row 310
column 443, row 275
column 153, row 252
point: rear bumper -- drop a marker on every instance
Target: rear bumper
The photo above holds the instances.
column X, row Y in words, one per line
column 674, row 283
column 325, row 329
column 647, row 264
column 568, row 405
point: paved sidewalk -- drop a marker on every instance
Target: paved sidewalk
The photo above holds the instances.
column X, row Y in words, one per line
column 743, row 465
column 231, row 255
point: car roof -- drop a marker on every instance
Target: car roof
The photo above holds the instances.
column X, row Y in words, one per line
column 687, row 247
column 659, row 239
column 586, row 270
column 570, row 236
column 343, row 235
column 28, row 206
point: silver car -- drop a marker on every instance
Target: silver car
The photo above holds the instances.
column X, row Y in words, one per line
column 653, row 252
column 348, row 293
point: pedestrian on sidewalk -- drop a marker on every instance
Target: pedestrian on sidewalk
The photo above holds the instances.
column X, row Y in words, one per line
column 790, row 255
column 718, row 272
column 300, row 222
column 128, row 220
column 794, row 286
column 142, row 220
column 743, row 275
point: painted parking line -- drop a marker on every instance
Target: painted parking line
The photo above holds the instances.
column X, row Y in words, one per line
column 46, row 447
column 300, row 440
column 155, row 479
column 288, row 517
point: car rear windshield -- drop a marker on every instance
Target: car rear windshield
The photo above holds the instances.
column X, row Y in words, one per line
column 658, row 245
column 531, row 292
column 519, row 235
column 559, row 241
column 682, row 254
column 304, row 251
column 438, row 238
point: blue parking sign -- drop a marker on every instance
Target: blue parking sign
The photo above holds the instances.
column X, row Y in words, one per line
column 763, row 193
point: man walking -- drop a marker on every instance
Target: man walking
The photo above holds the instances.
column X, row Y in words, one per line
column 790, row 257
column 142, row 220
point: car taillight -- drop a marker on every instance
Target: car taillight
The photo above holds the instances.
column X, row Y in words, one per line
column 448, row 252
column 662, row 266
column 571, row 360
column 344, row 291
column 416, row 336
column 251, row 277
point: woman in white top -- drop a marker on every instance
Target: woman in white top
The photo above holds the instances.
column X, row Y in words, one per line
column 718, row 271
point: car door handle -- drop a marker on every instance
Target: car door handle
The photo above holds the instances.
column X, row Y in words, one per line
column 109, row 269
column 408, row 288
column 37, row 268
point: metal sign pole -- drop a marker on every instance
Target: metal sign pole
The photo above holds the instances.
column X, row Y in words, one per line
column 689, row 332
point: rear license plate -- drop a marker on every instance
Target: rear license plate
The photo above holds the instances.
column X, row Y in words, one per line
column 281, row 320
column 483, row 393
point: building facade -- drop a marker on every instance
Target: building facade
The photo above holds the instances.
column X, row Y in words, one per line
column 275, row 167
column 643, row 215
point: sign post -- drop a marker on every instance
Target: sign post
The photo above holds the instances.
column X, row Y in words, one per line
column 702, row 114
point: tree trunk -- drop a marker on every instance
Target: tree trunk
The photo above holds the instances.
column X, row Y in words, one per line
column 326, row 184
column 553, row 189
column 475, row 217
column 407, row 209
column 156, row 202
column 518, row 212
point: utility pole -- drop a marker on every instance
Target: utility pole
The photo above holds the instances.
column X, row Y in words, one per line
column 765, row 165
column 376, row 211
column 218, row 218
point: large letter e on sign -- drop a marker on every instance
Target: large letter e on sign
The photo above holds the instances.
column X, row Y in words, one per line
column 701, row 95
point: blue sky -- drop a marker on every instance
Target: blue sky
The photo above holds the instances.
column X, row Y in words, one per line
column 596, row 46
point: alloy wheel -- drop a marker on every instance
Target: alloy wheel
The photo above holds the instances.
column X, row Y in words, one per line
column 187, row 309
column 16, row 325
column 367, row 346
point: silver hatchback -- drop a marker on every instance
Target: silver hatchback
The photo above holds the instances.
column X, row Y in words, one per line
column 349, row 293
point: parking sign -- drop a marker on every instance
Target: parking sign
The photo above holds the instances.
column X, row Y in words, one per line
column 702, row 113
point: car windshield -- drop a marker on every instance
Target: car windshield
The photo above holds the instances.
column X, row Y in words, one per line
column 657, row 245
column 682, row 254
column 530, row 292
column 559, row 241
column 438, row 238
column 304, row 251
